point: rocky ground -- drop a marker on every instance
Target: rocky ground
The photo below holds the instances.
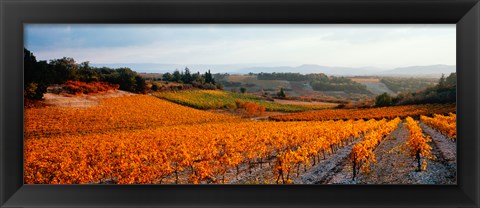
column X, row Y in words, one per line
column 326, row 169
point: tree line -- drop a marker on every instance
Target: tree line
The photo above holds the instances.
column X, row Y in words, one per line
column 319, row 81
column 187, row 80
column 445, row 91
column 186, row 77
column 38, row 75
column 399, row 84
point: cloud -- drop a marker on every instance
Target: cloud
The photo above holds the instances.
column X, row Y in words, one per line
column 334, row 45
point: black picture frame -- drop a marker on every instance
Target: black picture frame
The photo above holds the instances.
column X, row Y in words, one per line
column 15, row 13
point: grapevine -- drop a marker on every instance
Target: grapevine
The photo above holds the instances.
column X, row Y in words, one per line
column 445, row 124
column 371, row 113
column 362, row 154
column 417, row 144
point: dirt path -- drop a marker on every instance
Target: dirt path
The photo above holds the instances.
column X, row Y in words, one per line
column 394, row 167
column 442, row 170
column 447, row 147
column 327, row 168
column 386, row 169
column 322, row 171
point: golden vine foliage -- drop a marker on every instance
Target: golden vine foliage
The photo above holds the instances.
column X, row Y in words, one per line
column 337, row 135
column 417, row 144
column 144, row 140
column 447, row 125
column 362, row 154
column 370, row 113
column 203, row 151
column 114, row 114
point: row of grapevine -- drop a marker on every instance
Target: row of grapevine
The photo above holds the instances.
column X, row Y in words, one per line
column 418, row 144
column 447, row 125
column 362, row 154
column 310, row 150
column 370, row 113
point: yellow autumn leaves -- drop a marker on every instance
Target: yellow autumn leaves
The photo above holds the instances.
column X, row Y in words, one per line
column 447, row 125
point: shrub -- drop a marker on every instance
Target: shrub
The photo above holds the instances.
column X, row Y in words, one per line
column 383, row 100
column 154, row 87
column 243, row 89
column 35, row 91
column 281, row 93
column 251, row 109
column 77, row 87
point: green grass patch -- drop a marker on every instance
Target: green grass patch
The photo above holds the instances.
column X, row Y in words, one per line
column 215, row 99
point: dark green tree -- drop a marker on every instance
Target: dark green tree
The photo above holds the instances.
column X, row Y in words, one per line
column 177, row 77
column 87, row 73
column 441, row 82
column 154, row 87
column 209, row 77
column 451, row 80
column 187, row 76
column 243, row 89
column 37, row 76
column 125, row 77
column 65, row 69
column 167, row 77
column 281, row 93
column 140, row 85
column 383, row 100
column 198, row 78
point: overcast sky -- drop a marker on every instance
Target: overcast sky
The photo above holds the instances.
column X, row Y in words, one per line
column 383, row 46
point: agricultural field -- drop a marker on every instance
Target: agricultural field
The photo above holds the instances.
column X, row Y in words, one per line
column 142, row 139
column 401, row 84
column 253, row 84
column 214, row 99
column 304, row 103
column 369, row 113
column 374, row 85
column 240, row 78
column 113, row 114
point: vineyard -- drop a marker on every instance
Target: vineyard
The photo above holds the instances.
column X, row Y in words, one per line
column 375, row 113
column 206, row 154
column 142, row 139
column 211, row 99
column 114, row 114
column 445, row 124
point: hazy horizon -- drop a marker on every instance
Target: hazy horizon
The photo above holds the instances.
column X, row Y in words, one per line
column 376, row 47
column 246, row 69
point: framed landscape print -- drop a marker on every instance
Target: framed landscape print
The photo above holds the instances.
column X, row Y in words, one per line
column 247, row 108
column 217, row 103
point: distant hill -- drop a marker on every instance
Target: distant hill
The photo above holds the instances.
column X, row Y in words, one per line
column 312, row 68
column 163, row 68
column 423, row 71
column 433, row 71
